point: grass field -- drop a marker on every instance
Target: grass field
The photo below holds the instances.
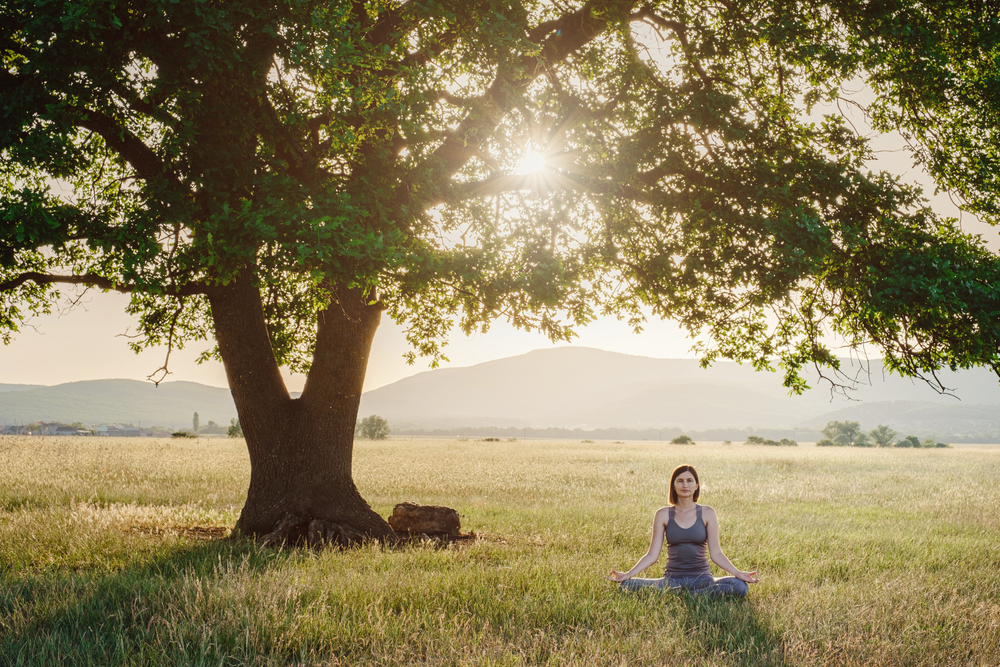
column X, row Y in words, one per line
column 111, row 554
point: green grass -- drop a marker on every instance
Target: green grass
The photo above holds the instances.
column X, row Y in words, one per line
column 868, row 556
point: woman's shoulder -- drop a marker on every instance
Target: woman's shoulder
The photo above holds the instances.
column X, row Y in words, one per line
column 707, row 510
column 663, row 513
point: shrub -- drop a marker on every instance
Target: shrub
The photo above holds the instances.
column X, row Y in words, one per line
column 372, row 427
column 235, row 430
column 757, row 440
column 825, row 442
column 682, row 440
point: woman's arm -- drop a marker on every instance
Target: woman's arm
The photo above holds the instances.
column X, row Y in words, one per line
column 655, row 547
column 715, row 549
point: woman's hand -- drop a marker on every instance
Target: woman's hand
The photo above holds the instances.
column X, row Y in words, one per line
column 749, row 577
column 617, row 576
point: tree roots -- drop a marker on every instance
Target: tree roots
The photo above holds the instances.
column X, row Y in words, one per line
column 295, row 530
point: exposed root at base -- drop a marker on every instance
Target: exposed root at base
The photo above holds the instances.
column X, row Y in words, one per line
column 298, row 531
column 295, row 530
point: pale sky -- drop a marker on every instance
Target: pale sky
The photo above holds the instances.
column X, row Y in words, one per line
column 86, row 344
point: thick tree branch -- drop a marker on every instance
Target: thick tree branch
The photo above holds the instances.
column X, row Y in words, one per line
column 94, row 280
column 139, row 105
column 246, row 350
column 88, row 279
column 146, row 163
column 338, row 368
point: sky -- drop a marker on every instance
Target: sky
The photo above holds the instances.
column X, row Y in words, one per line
column 89, row 342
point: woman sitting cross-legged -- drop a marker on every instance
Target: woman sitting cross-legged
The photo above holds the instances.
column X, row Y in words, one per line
column 688, row 529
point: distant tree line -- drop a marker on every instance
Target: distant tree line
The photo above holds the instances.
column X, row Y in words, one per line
column 664, row 435
column 835, row 433
column 757, row 440
column 849, row 434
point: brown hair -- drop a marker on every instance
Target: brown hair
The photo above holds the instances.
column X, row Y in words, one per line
column 673, row 476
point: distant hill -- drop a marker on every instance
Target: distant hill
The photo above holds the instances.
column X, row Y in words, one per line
column 4, row 388
column 572, row 387
column 172, row 404
column 568, row 388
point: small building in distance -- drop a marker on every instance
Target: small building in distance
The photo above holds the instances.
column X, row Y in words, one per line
column 62, row 429
column 44, row 428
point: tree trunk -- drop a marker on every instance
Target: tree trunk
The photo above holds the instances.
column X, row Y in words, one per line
column 301, row 486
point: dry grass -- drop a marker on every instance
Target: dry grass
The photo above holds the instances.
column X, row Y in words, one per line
column 109, row 554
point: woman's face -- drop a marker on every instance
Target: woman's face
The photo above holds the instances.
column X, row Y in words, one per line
column 685, row 484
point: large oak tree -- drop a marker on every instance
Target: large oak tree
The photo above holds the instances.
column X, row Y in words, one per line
column 273, row 176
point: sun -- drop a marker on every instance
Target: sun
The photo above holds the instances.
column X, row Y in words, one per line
column 532, row 161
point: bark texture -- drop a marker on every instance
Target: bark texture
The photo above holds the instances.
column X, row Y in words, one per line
column 301, row 487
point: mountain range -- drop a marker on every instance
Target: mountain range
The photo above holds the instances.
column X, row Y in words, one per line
column 171, row 404
column 569, row 388
column 582, row 388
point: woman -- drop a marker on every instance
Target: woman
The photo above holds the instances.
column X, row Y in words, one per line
column 688, row 528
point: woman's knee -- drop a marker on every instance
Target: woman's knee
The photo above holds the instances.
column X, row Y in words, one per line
column 735, row 587
column 634, row 584
column 731, row 586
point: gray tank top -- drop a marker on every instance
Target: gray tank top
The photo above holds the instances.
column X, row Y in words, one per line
column 687, row 548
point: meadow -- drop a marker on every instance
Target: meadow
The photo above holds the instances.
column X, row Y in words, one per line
column 114, row 552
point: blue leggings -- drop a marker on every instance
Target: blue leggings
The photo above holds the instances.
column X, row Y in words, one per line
column 701, row 585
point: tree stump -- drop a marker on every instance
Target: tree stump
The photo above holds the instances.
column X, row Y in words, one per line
column 430, row 520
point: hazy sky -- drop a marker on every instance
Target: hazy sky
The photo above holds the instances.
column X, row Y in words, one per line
column 86, row 343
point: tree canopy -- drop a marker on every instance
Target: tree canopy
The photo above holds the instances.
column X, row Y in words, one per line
column 381, row 145
column 274, row 175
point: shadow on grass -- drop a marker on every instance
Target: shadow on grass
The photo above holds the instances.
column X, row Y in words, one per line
column 729, row 629
column 59, row 617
